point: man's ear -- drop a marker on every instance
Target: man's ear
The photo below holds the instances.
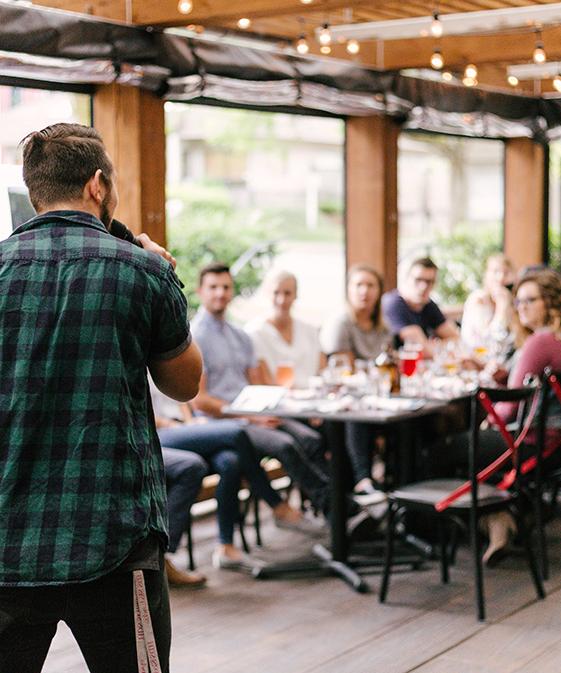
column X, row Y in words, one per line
column 95, row 188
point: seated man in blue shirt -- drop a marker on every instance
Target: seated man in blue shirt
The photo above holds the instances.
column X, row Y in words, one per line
column 411, row 314
column 230, row 364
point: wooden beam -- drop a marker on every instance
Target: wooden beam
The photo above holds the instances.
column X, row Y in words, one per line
column 371, row 194
column 525, row 200
column 131, row 122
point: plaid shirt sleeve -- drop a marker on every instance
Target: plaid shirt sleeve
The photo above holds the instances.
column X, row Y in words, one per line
column 171, row 334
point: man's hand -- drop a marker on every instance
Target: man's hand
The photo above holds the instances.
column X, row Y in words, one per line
column 151, row 246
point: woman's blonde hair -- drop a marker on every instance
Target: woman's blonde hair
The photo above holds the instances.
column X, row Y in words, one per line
column 376, row 315
column 549, row 284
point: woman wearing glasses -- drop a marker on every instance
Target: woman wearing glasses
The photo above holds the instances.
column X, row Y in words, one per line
column 538, row 337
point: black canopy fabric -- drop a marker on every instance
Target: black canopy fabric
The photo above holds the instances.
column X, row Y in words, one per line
column 39, row 44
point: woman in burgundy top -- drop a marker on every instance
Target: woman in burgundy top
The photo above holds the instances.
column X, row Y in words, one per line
column 538, row 306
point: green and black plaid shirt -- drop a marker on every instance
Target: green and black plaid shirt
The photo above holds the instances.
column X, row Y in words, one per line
column 81, row 473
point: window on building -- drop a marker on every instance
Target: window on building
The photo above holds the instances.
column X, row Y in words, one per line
column 451, row 206
column 263, row 190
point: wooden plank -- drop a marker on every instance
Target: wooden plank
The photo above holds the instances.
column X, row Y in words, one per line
column 371, row 189
column 131, row 122
column 524, row 201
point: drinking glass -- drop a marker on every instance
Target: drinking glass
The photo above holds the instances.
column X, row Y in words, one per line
column 285, row 374
column 339, row 366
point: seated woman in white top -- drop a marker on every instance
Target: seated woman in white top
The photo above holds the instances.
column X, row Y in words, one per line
column 281, row 340
column 488, row 312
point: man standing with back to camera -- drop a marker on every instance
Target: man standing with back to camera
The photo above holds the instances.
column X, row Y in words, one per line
column 82, row 488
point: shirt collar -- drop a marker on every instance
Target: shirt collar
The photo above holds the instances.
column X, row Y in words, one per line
column 207, row 317
column 65, row 217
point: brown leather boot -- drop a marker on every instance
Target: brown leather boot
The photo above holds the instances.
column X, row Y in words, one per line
column 182, row 578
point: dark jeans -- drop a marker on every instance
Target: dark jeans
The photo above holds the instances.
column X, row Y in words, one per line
column 300, row 450
column 185, row 471
column 99, row 614
column 359, row 441
column 226, row 447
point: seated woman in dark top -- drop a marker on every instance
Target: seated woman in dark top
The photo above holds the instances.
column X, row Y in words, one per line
column 538, row 304
column 359, row 333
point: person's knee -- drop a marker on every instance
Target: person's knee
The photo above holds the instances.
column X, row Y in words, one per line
column 227, row 463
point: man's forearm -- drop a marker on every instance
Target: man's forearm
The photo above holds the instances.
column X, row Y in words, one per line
column 209, row 405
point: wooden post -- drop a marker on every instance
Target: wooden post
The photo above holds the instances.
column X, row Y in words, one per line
column 526, row 199
column 371, row 194
column 131, row 122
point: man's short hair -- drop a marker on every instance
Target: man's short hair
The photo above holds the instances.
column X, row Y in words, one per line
column 425, row 262
column 59, row 160
column 214, row 267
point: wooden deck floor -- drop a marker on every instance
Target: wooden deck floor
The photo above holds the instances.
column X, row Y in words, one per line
column 313, row 624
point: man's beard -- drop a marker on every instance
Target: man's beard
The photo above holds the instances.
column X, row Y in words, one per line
column 104, row 215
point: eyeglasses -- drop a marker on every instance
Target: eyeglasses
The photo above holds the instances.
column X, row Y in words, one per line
column 527, row 301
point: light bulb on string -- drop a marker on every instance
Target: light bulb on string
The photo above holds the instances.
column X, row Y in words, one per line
column 302, row 46
column 447, row 76
column 244, row 23
column 353, row 47
column 436, row 59
column 436, row 26
column 539, row 55
column 185, row 6
column 325, row 49
column 469, row 81
column 306, row 2
column 325, row 35
column 557, row 83
column 512, row 80
column 470, row 71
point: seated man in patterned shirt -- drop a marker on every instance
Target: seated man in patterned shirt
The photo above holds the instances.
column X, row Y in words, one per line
column 83, row 520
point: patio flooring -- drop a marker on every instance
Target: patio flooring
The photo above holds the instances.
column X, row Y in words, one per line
column 307, row 625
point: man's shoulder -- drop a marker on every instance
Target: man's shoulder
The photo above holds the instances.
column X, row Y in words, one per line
column 392, row 298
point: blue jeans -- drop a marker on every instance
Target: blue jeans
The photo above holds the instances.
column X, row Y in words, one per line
column 185, row 471
column 359, row 441
column 226, row 447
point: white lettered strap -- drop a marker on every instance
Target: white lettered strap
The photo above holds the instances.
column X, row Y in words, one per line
column 146, row 651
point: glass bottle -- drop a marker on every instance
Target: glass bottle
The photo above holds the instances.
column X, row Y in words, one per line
column 386, row 363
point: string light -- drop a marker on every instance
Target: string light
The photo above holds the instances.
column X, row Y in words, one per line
column 302, row 46
column 447, row 76
column 539, row 55
column 557, row 83
column 325, row 35
column 306, row 2
column 353, row 47
column 325, row 49
column 436, row 59
column 244, row 23
column 436, row 25
column 185, row 6
column 470, row 72
column 469, row 81
column 512, row 80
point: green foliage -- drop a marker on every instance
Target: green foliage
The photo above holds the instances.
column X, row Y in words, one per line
column 207, row 228
column 554, row 248
column 461, row 259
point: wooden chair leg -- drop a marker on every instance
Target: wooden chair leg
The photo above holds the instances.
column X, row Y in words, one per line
column 244, row 507
column 390, row 534
column 189, row 533
column 257, row 522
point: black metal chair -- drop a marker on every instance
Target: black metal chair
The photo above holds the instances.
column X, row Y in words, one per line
column 449, row 499
column 546, row 476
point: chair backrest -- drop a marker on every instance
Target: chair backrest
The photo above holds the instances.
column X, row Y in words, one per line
column 486, row 399
column 549, row 416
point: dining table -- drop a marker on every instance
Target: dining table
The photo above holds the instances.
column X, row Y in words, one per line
column 401, row 413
